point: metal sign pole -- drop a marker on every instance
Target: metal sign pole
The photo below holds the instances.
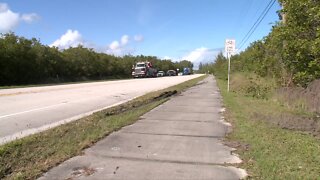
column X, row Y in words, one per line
column 228, row 56
column 230, row 47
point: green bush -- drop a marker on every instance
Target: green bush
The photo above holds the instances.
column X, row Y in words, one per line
column 250, row 84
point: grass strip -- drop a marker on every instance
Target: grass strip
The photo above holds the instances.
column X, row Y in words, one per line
column 268, row 151
column 29, row 157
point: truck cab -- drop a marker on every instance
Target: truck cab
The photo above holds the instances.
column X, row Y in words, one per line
column 143, row 69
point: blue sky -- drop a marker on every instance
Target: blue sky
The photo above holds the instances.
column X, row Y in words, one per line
column 176, row 29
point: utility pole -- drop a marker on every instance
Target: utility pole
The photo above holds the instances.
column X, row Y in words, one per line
column 284, row 16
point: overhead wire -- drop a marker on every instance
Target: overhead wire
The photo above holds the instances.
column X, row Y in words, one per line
column 256, row 24
column 243, row 14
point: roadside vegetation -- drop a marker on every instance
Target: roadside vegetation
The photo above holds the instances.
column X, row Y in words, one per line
column 275, row 141
column 289, row 54
column 27, row 61
column 29, row 157
column 274, row 98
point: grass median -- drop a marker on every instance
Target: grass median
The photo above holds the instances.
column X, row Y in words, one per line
column 29, row 157
column 269, row 151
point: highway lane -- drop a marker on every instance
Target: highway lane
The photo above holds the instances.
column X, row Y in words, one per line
column 24, row 111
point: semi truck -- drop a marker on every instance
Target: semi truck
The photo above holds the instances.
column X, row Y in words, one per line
column 143, row 69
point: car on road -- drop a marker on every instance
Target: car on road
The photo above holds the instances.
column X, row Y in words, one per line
column 171, row 73
column 160, row 74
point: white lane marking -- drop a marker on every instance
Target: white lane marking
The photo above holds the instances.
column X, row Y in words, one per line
column 48, row 107
column 31, row 110
column 27, row 132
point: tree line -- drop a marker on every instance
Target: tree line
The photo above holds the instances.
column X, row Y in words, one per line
column 290, row 53
column 27, row 61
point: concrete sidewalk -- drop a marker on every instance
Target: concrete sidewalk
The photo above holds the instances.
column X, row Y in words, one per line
column 179, row 139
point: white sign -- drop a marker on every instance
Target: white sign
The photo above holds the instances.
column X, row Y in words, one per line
column 230, row 46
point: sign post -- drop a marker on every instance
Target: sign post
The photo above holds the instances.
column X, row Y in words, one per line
column 230, row 48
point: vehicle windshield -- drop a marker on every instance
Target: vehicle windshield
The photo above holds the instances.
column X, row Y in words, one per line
column 160, row 72
column 140, row 65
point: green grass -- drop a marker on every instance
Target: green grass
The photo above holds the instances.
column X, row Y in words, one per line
column 31, row 156
column 273, row 153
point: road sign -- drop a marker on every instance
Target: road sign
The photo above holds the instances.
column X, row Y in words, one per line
column 230, row 46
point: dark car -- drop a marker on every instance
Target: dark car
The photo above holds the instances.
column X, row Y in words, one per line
column 171, row 73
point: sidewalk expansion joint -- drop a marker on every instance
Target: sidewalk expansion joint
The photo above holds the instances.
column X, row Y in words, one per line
column 209, row 106
column 169, row 161
column 166, row 110
column 146, row 120
column 187, row 112
column 178, row 135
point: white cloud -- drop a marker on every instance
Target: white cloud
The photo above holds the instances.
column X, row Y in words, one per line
column 138, row 38
column 124, row 40
column 166, row 58
column 117, row 49
column 71, row 38
column 10, row 20
column 29, row 18
column 114, row 45
column 200, row 54
column 121, row 48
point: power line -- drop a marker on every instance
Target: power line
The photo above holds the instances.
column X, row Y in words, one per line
column 262, row 15
column 243, row 14
column 257, row 23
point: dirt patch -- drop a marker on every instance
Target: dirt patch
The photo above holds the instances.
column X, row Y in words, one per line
column 237, row 145
column 129, row 106
column 81, row 171
column 165, row 95
column 301, row 99
column 310, row 125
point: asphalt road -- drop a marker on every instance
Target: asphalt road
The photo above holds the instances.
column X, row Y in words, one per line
column 24, row 111
column 180, row 139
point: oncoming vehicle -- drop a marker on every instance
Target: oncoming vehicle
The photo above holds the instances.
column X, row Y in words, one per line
column 171, row 73
column 143, row 69
column 160, row 74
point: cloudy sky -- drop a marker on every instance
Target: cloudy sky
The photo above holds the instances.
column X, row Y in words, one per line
column 170, row 29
